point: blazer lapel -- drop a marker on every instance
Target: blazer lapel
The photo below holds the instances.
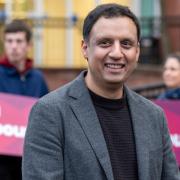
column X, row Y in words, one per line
column 84, row 110
column 141, row 135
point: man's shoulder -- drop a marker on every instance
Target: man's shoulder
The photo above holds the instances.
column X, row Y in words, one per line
column 4, row 71
column 36, row 74
column 35, row 71
column 73, row 89
column 3, row 68
column 145, row 103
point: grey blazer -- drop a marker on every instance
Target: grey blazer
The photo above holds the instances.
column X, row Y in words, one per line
column 64, row 139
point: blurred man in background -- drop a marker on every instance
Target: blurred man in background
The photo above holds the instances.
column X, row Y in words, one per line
column 17, row 76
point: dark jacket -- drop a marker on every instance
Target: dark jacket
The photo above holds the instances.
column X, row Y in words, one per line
column 64, row 139
column 29, row 82
column 171, row 94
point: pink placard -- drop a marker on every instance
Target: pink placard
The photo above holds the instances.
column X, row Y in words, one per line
column 14, row 112
column 172, row 111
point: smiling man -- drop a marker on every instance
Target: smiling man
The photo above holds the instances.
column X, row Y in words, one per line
column 95, row 127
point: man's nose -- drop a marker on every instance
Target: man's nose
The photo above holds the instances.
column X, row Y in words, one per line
column 116, row 51
column 13, row 44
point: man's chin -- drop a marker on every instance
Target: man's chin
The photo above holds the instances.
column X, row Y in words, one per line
column 115, row 79
column 14, row 60
column 115, row 82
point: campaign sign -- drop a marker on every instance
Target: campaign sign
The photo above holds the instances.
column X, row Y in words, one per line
column 172, row 111
column 14, row 112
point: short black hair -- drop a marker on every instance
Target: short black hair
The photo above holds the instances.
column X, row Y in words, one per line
column 18, row 25
column 108, row 11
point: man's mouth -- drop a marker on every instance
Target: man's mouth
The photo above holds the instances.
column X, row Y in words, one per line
column 114, row 65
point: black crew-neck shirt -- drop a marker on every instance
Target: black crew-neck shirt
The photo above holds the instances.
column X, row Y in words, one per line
column 116, row 124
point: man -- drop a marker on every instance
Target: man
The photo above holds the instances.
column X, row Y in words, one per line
column 95, row 128
column 17, row 76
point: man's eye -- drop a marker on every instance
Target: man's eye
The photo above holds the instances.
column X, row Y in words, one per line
column 19, row 41
column 104, row 43
column 9, row 40
column 127, row 44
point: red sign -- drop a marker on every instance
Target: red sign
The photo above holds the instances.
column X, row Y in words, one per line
column 172, row 111
column 14, row 111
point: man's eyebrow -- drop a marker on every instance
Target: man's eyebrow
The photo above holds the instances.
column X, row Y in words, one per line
column 129, row 39
column 104, row 38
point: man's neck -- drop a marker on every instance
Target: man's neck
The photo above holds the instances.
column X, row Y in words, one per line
column 110, row 92
column 20, row 66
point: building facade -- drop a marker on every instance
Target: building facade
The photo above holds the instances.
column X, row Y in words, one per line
column 57, row 27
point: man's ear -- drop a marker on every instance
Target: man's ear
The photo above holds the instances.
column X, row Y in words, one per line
column 84, row 49
column 138, row 52
column 30, row 44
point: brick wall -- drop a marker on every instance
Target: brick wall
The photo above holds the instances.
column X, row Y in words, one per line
column 142, row 75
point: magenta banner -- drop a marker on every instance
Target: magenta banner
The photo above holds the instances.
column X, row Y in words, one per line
column 172, row 111
column 14, row 111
